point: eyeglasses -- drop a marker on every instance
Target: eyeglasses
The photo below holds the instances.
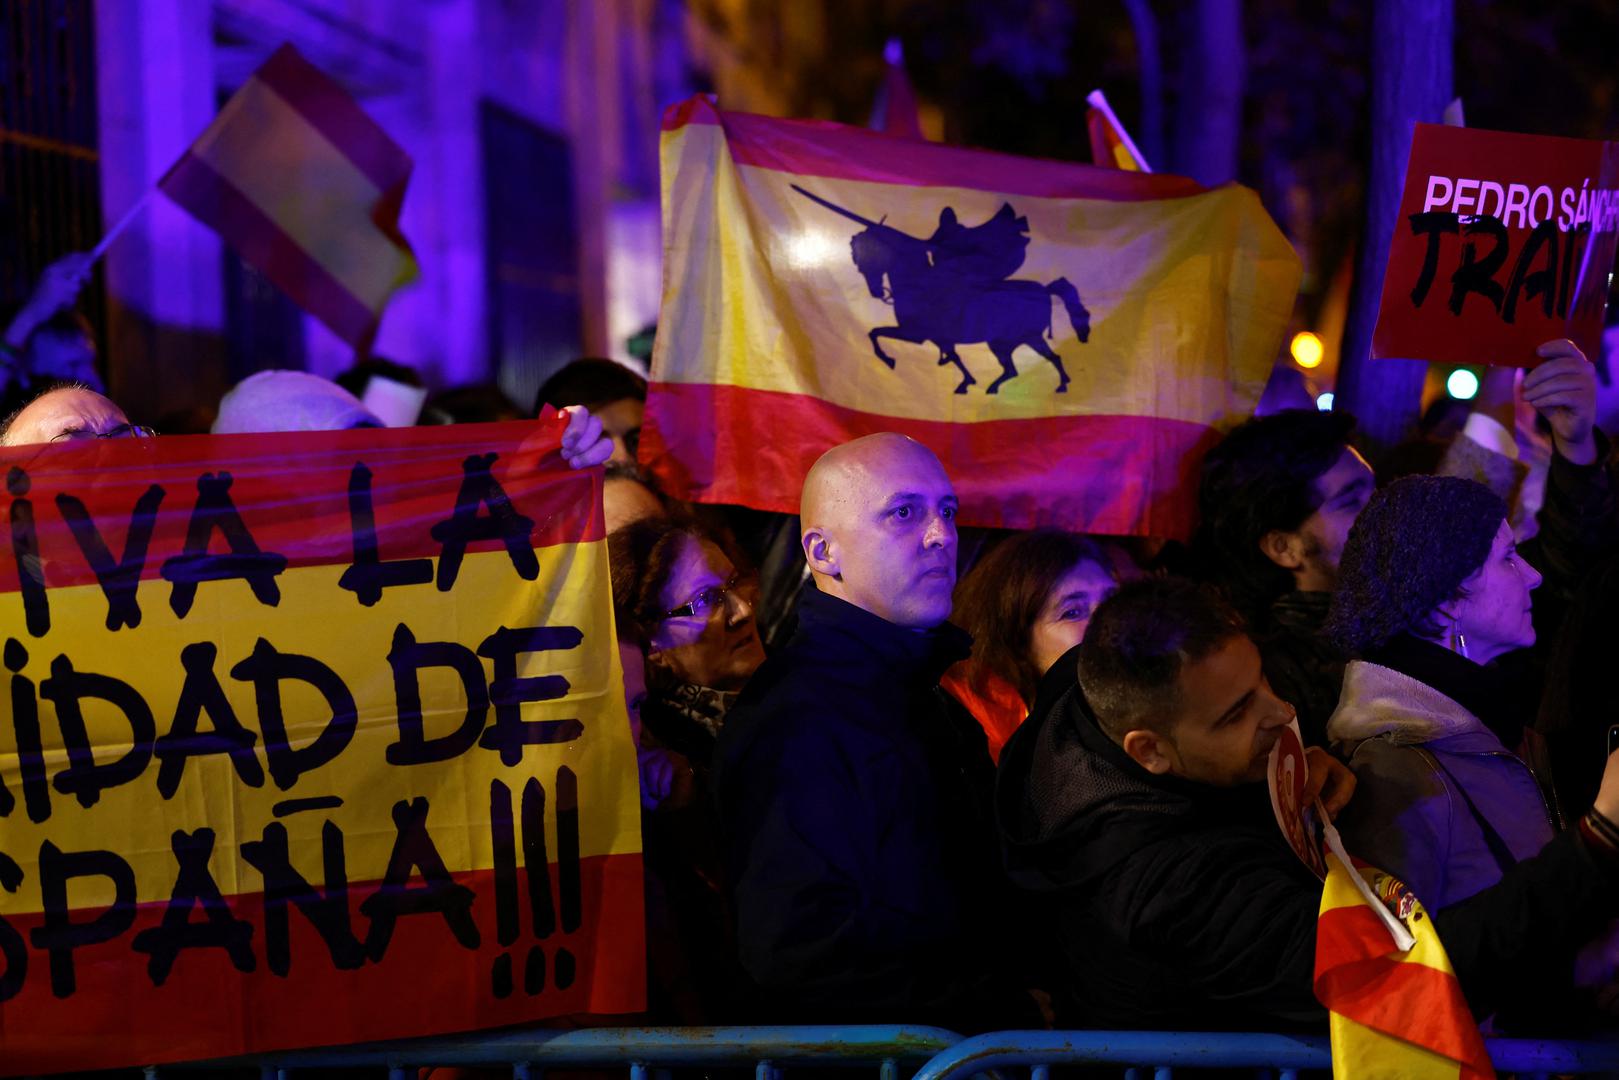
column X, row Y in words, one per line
column 709, row 600
column 122, row 431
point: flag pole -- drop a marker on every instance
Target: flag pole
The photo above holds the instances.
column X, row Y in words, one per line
column 1403, row 940
column 123, row 223
column 1098, row 101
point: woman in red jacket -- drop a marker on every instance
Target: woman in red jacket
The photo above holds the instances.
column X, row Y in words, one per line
column 1025, row 604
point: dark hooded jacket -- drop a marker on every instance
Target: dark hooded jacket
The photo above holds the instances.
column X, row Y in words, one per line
column 854, row 797
column 1302, row 664
column 1171, row 904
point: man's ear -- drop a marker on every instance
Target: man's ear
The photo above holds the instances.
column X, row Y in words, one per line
column 1285, row 549
column 1148, row 749
column 820, row 551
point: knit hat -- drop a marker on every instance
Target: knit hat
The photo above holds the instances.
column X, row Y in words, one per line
column 290, row 401
column 1414, row 544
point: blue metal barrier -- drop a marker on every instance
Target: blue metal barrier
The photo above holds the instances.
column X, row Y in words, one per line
column 528, row 1051
column 940, row 1054
column 1163, row 1051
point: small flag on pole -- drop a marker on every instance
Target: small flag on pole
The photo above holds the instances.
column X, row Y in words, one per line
column 1396, row 1007
column 306, row 187
column 895, row 111
column 1111, row 145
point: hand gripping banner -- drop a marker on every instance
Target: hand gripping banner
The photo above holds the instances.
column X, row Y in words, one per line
column 308, row 739
column 1067, row 339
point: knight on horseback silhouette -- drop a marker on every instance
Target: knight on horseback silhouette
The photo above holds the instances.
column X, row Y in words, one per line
column 981, row 254
column 956, row 287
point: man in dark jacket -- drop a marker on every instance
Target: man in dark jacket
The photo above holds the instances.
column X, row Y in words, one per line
column 854, row 793
column 1134, row 810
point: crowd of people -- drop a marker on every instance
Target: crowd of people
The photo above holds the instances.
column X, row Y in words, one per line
column 894, row 770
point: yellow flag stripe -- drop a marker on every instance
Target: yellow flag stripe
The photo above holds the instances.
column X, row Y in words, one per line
column 1187, row 295
column 316, row 618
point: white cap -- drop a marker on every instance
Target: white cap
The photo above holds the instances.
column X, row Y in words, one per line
column 290, row 401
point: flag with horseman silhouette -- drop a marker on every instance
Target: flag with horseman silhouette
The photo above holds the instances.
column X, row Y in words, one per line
column 1068, row 339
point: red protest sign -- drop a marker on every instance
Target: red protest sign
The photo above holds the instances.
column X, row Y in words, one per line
column 1503, row 242
column 1287, row 771
column 310, row 739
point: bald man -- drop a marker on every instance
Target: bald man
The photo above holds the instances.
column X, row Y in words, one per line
column 65, row 414
column 854, row 793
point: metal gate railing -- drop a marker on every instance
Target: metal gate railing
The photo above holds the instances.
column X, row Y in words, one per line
column 644, row 1050
column 928, row 1053
column 1160, row 1052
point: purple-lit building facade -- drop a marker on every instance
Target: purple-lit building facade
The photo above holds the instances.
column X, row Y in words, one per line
column 532, row 209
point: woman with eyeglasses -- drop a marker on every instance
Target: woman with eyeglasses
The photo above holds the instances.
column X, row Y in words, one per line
column 695, row 612
column 677, row 593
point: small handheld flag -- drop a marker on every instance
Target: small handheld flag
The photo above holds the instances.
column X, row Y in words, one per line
column 305, row 186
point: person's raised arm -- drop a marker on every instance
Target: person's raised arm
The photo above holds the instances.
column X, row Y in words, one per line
column 57, row 289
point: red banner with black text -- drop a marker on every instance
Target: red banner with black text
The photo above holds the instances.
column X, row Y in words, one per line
column 311, row 739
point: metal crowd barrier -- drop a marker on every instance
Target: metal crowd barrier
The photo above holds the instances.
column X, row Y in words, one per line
column 931, row 1053
column 1162, row 1052
column 528, row 1052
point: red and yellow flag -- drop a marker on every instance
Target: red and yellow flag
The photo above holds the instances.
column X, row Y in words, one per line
column 1395, row 1014
column 309, row 740
column 1068, row 339
column 305, row 186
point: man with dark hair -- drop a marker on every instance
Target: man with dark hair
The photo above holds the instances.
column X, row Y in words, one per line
column 1279, row 494
column 612, row 392
column 854, row 794
column 1134, row 813
column 1276, row 502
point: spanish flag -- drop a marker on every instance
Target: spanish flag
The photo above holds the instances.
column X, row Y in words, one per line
column 308, row 740
column 1068, row 339
column 306, row 187
column 1396, row 1013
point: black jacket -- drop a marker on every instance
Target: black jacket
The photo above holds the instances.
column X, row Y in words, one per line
column 855, row 801
column 1301, row 664
column 1172, row 904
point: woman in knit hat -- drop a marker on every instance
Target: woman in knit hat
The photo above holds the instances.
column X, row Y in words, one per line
column 1431, row 590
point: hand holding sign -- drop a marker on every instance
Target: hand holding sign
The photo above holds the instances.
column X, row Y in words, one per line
column 1563, row 389
column 584, row 444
